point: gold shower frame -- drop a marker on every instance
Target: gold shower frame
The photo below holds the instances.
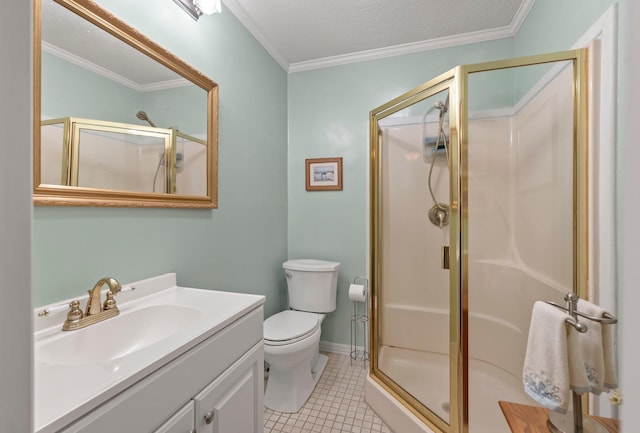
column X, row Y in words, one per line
column 456, row 80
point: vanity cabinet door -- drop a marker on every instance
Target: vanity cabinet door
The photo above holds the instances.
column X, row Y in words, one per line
column 181, row 422
column 233, row 402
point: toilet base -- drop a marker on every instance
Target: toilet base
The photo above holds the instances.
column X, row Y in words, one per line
column 318, row 368
column 289, row 392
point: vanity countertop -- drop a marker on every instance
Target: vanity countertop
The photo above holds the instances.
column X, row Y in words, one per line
column 69, row 383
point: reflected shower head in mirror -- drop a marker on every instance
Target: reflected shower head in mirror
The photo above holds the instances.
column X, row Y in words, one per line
column 143, row 116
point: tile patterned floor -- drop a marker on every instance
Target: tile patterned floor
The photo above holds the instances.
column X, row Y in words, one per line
column 336, row 405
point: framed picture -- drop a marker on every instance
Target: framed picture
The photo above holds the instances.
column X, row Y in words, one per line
column 324, row 174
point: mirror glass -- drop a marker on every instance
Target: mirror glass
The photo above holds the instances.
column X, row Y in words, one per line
column 120, row 121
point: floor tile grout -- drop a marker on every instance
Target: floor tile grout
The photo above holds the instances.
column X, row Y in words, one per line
column 336, row 404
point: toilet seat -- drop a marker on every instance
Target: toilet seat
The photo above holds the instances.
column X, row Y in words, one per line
column 290, row 326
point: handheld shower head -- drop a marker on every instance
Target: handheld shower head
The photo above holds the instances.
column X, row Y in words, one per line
column 443, row 107
column 143, row 116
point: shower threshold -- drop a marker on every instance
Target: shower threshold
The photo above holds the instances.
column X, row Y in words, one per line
column 425, row 376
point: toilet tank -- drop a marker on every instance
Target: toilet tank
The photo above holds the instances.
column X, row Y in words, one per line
column 312, row 284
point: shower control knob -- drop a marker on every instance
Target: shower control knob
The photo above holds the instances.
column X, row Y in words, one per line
column 208, row 418
column 439, row 214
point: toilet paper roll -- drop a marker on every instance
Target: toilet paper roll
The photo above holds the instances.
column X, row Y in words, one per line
column 357, row 292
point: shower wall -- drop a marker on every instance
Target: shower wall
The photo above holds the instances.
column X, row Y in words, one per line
column 520, row 216
column 418, row 298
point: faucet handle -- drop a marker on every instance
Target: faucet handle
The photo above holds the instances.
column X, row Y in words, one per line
column 73, row 316
column 74, row 310
column 109, row 303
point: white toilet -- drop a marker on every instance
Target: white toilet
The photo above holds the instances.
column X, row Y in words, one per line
column 292, row 337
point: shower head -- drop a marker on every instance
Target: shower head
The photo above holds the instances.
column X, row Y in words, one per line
column 143, row 116
column 443, row 106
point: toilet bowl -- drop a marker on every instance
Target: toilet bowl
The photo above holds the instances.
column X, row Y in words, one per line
column 291, row 348
column 292, row 337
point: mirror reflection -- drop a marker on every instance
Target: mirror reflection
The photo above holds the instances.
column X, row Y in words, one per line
column 118, row 124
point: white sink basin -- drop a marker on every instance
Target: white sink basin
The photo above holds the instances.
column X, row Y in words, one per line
column 117, row 337
column 76, row 371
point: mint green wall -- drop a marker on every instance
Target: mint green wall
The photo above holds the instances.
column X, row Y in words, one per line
column 553, row 26
column 69, row 90
column 181, row 107
column 556, row 25
column 238, row 247
column 328, row 116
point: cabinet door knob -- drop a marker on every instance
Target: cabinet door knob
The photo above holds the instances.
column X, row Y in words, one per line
column 208, row 418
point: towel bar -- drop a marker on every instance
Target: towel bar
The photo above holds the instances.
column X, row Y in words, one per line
column 607, row 318
column 558, row 423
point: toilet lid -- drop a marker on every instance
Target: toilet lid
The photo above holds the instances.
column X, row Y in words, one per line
column 288, row 325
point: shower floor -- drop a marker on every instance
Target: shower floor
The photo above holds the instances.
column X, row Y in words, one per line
column 425, row 375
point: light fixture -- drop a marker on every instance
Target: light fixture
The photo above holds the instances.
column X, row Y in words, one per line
column 195, row 8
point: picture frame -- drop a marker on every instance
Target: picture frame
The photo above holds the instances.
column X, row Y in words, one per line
column 323, row 174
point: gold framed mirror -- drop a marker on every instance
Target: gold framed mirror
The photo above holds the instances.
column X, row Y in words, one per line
column 98, row 83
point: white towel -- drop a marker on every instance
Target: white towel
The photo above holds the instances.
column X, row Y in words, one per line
column 597, row 350
column 553, row 365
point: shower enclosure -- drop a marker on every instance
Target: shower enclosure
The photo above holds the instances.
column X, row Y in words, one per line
column 478, row 207
column 115, row 156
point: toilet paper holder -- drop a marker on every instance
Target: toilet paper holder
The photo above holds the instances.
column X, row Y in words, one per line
column 360, row 320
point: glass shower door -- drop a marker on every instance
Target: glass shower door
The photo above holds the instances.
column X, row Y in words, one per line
column 412, row 351
column 520, row 183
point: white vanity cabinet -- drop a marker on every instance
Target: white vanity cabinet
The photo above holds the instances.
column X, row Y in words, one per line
column 230, row 403
column 216, row 386
column 182, row 422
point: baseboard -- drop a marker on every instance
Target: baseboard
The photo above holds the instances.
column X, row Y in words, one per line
column 341, row 349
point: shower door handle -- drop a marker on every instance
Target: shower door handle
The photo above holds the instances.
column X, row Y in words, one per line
column 445, row 257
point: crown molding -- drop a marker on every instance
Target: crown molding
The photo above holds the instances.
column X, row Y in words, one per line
column 521, row 16
column 396, row 50
column 251, row 26
column 421, row 46
column 99, row 70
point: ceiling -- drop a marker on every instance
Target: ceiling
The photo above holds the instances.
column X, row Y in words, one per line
column 303, row 34
column 299, row 34
column 67, row 36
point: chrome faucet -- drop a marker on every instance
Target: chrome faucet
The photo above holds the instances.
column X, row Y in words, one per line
column 95, row 310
